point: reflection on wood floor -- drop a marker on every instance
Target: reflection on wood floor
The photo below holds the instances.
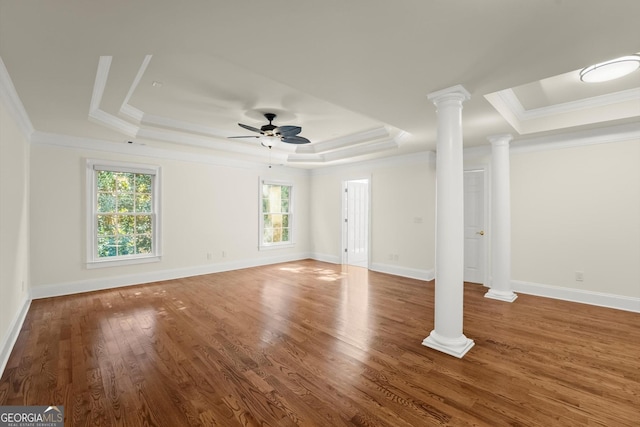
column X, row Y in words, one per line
column 316, row 344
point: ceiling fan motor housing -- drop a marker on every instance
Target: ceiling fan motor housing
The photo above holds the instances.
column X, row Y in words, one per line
column 268, row 129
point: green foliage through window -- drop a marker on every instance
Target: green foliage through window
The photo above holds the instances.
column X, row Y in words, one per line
column 276, row 213
column 124, row 213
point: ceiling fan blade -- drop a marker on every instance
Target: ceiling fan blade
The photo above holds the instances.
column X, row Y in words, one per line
column 295, row 140
column 251, row 128
column 246, row 136
column 287, row 130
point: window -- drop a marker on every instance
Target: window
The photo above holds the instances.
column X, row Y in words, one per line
column 276, row 217
column 123, row 213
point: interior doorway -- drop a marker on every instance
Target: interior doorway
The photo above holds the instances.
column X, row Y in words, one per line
column 474, row 226
column 355, row 231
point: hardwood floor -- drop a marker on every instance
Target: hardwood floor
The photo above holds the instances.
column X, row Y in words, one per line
column 315, row 344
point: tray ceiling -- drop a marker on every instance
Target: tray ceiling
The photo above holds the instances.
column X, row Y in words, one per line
column 354, row 75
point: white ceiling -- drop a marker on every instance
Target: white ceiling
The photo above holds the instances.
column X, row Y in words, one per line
column 354, row 74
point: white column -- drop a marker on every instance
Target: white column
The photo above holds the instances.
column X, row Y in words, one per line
column 500, row 220
column 447, row 335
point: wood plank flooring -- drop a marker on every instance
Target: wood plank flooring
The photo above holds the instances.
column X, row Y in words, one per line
column 315, row 344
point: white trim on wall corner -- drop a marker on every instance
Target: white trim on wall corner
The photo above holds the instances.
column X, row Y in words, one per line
column 600, row 299
column 9, row 341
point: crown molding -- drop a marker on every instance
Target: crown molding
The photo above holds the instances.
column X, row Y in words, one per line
column 523, row 121
column 578, row 105
column 100, row 116
column 347, row 153
column 10, row 98
column 582, row 138
column 327, row 151
column 179, row 132
column 100, row 82
column 167, row 123
column 113, row 122
column 125, row 108
column 132, row 112
column 79, row 143
column 426, row 158
column 606, row 135
column 344, row 141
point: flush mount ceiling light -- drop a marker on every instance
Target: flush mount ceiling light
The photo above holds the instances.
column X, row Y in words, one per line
column 610, row 70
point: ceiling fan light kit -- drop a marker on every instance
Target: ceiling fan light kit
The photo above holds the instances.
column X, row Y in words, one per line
column 268, row 141
column 272, row 133
column 610, row 70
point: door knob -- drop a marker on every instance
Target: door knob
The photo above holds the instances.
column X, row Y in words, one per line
column 480, row 232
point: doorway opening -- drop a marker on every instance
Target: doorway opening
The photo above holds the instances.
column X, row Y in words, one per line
column 475, row 230
column 355, row 230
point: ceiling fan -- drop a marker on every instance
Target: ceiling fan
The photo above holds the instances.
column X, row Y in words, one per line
column 288, row 134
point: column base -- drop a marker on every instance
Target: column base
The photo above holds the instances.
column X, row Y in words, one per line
column 457, row 347
column 507, row 296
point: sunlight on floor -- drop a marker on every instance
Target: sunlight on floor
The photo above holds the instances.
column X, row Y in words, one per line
column 354, row 307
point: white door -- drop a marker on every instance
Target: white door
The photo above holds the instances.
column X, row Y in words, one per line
column 474, row 226
column 356, row 223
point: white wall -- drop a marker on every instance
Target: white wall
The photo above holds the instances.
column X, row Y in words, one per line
column 207, row 208
column 14, row 231
column 402, row 213
column 575, row 208
column 578, row 209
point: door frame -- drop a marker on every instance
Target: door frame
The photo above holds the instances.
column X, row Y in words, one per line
column 486, row 247
column 343, row 217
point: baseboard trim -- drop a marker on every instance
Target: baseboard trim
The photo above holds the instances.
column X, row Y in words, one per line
column 90, row 285
column 396, row 270
column 578, row 295
column 9, row 341
column 331, row 259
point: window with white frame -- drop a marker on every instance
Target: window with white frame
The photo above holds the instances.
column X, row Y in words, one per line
column 276, row 214
column 123, row 215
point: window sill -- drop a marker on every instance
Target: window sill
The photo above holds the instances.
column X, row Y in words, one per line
column 102, row 263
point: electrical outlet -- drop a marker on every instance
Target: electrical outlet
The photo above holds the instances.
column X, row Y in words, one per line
column 579, row 276
column 209, row 256
column 224, row 254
